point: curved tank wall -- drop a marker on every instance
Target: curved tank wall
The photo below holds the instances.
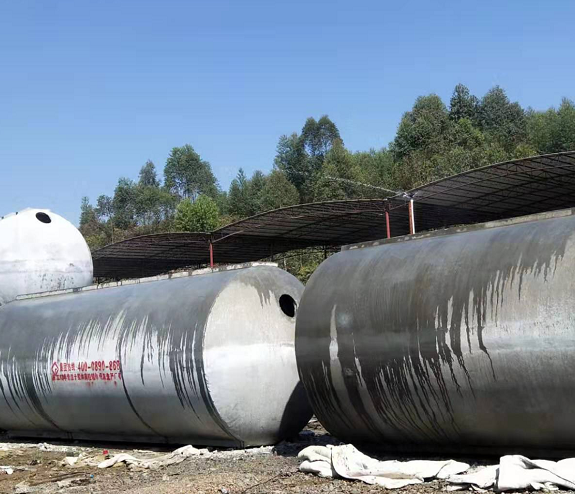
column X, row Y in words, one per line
column 457, row 339
column 205, row 359
column 41, row 251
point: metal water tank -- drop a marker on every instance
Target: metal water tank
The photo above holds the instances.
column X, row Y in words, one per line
column 41, row 251
column 458, row 338
column 206, row 359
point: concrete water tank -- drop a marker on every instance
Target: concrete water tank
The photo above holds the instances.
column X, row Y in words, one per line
column 206, row 359
column 458, row 338
column 41, row 251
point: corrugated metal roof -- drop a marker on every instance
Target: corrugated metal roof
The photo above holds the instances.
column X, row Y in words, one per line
column 503, row 190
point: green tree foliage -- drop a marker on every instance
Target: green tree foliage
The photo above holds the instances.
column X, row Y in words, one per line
column 552, row 131
column 147, row 205
column 423, row 128
column 87, row 213
column 292, row 159
column 153, row 204
column 463, row 105
column 248, row 197
column 302, row 263
column 318, row 137
column 432, row 141
column 336, row 178
column 256, row 188
column 504, row 120
column 90, row 225
column 223, row 205
column 376, row 169
column 199, row 216
column 301, row 157
column 278, row 192
column 105, row 207
column 124, row 203
column 188, row 176
column 148, row 175
column 239, row 200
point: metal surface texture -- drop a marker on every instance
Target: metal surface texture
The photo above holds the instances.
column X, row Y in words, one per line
column 41, row 251
column 206, row 360
column 454, row 339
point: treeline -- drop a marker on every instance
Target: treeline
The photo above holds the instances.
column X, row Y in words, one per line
column 433, row 140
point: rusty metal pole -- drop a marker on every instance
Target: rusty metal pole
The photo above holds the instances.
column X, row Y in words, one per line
column 211, row 254
column 411, row 218
column 387, row 225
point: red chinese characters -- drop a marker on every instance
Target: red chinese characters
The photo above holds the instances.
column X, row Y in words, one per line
column 88, row 372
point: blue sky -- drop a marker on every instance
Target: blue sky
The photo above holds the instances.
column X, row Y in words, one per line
column 89, row 90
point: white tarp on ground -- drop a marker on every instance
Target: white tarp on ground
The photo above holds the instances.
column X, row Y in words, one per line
column 347, row 462
column 516, row 472
column 513, row 472
column 151, row 459
column 176, row 456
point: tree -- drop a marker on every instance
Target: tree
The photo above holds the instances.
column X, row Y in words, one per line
column 148, row 175
column 199, row 216
column 292, row 160
column 167, row 206
column 88, row 218
column 147, row 205
column 223, row 202
column 337, row 179
column 318, row 137
column 552, row 131
column 494, row 109
column 124, row 203
column 422, row 129
column 564, row 129
column 104, row 207
column 463, row 104
column 256, row 187
column 541, row 130
column 239, row 196
column 375, row 168
column 462, row 133
column 278, row 192
column 504, row 120
column 90, row 227
column 105, row 213
column 188, row 176
column 431, row 142
column 301, row 157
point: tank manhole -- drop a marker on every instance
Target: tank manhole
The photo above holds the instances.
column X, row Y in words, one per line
column 288, row 305
column 43, row 217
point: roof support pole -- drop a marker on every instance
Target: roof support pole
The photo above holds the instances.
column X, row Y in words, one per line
column 211, row 254
column 387, row 225
column 411, row 218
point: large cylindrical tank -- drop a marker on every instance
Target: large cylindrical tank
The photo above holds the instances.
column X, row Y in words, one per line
column 464, row 337
column 205, row 359
column 41, row 251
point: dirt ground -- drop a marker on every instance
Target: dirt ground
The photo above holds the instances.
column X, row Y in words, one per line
column 38, row 467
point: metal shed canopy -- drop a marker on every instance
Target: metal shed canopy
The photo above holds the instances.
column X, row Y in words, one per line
column 503, row 190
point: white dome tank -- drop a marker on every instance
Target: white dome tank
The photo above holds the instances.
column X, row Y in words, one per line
column 39, row 252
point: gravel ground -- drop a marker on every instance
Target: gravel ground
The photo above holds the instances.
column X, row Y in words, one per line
column 38, row 468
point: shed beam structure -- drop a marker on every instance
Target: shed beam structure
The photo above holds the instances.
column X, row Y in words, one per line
column 503, row 190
